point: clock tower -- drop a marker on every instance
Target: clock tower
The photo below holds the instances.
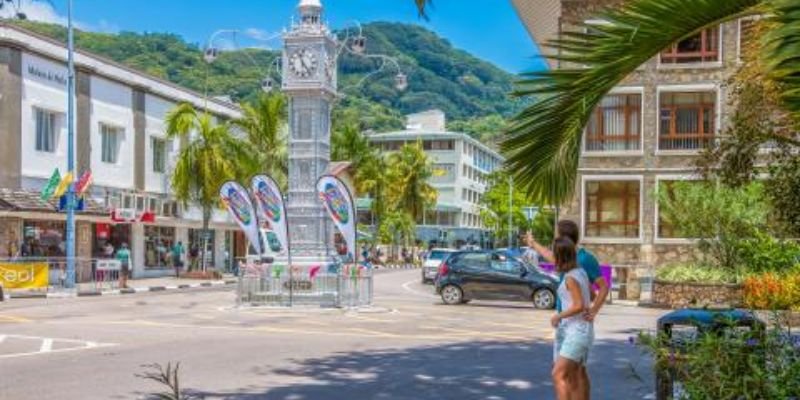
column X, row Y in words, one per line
column 309, row 81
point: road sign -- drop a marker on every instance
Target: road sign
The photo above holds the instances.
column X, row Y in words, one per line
column 62, row 203
column 530, row 212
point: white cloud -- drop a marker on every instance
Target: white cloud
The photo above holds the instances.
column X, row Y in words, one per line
column 43, row 11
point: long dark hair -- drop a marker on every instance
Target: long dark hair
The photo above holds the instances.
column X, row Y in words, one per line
column 565, row 254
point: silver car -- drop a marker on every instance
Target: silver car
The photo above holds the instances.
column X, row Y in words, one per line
column 430, row 267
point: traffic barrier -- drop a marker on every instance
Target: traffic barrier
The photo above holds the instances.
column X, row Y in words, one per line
column 35, row 276
column 333, row 285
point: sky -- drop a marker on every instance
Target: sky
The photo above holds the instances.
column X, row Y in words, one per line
column 489, row 29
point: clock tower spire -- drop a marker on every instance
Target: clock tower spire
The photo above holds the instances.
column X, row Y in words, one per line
column 309, row 82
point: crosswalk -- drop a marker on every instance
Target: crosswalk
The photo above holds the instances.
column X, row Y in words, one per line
column 15, row 346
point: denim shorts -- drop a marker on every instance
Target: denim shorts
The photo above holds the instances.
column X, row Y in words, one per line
column 573, row 342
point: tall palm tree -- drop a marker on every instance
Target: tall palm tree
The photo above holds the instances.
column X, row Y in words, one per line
column 409, row 171
column 543, row 142
column 349, row 144
column 210, row 157
column 264, row 125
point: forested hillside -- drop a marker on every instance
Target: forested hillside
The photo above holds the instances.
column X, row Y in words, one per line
column 440, row 76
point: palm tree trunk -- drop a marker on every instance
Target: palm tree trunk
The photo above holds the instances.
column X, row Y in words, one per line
column 206, row 222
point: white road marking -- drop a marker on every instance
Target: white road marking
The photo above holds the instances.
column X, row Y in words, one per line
column 47, row 345
column 407, row 288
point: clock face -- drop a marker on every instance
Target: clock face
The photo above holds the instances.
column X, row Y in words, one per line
column 303, row 63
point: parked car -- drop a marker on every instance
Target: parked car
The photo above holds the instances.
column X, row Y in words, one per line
column 493, row 275
column 431, row 264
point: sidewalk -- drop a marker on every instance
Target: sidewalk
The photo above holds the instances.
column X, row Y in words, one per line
column 134, row 286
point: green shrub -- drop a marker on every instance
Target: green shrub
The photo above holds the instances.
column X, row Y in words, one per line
column 764, row 253
column 696, row 273
column 739, row 365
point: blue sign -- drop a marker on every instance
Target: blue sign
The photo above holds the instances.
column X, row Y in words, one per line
column 62, row 203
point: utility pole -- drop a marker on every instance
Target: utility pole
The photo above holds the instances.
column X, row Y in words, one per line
column 510, row 209
column 70, row 282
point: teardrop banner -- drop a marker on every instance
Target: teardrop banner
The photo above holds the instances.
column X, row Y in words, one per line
column 237, row 200
column 270, row 207
column 340, row 206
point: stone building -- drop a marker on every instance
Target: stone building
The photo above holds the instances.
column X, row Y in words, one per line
column 647, row 132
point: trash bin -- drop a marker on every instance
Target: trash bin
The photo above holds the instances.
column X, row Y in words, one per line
column 696, row 322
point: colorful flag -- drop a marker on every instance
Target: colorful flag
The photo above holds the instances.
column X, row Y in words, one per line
column 50, row 188
column 237, row 200
column 339, row 203
column 270, row 207
column 64, row 184
column 83, row 182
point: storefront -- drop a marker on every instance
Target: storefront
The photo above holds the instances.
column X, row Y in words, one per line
column 158, row 240
column 109, row 234
column 43, row 238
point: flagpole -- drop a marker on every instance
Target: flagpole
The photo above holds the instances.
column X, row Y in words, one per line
column 70, row 245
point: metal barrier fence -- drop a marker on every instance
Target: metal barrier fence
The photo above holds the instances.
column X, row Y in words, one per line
column 334, row 285
column 49, row 275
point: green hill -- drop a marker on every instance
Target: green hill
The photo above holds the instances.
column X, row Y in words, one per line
column 440, row 76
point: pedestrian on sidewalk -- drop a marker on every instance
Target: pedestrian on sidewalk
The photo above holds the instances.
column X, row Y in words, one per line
column 574, row 333
column 124, row 258
column 177, row 258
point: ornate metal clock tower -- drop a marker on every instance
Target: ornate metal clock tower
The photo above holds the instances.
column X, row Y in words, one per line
column 309, row 80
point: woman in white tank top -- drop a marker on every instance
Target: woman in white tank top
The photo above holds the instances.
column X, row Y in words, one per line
column 574, row 334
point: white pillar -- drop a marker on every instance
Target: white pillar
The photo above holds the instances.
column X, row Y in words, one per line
column 137, row 249
column 219, row 249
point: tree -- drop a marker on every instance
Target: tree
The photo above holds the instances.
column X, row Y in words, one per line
column 349, row 144
column 495, row 209
column 408, row 173
column 543, row 145
column 264, row 125
column 210, row 157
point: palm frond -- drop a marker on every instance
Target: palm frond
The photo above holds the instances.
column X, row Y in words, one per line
column 543, row 141
column 782, row 52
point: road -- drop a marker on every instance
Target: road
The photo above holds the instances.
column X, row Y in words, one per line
column 408, row 347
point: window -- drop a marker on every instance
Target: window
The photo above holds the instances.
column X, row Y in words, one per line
column 687, row 121
column 109, row 141
column 612, row 209
column 438, row 145
column 159, row 147
column 702, row 47
column 616, row 124
column 45, row 131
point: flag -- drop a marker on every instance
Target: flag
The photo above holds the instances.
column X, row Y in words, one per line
column 64, row 184
column 50, row 188
column 270, row 207
column 83, row 182
column 339, row 203
column 237, row 200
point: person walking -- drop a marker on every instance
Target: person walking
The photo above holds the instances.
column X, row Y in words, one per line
column 124, row 258
column 177, row 258
column 588, row 262
column 574, row 333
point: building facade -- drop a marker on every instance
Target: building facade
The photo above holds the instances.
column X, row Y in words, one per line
column 646, row 133
column 462, row 165
column 119, row 136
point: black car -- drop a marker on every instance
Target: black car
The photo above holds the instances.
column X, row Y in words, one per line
column 486, row 275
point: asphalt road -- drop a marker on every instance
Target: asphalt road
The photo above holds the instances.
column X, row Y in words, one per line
column 409, row 347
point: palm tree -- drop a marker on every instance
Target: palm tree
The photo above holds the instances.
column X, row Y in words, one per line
column 408, row 173
column 264, row 125
column 210, row 157
column 349, row 144
column 543, row 142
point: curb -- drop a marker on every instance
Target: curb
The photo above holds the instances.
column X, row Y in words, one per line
column 116, row 292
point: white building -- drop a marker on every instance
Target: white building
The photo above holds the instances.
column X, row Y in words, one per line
column 462, row 163
column 119, row 136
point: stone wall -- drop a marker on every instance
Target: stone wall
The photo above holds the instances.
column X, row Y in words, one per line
column 682, row 295
column 10, row 232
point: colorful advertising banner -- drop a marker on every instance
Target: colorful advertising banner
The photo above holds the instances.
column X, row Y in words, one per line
column 24, row 275
column 340, row 206
column 270, row 207
column 236, row 199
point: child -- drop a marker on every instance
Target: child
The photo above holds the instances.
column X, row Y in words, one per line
column 574, row 334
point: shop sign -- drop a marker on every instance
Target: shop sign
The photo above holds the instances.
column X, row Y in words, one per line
column 298, row 285
column 34, row 70
column 24, row 275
